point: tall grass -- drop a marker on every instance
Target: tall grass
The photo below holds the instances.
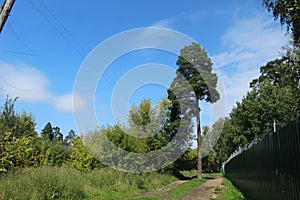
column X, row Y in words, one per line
column 68, row 183
column 42, row 183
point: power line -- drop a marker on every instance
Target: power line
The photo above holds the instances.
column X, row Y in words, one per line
column 55, row 27
column 18, row 52
column 12, row 86
column 70, row 39
column 63, row 26
column 20, row 41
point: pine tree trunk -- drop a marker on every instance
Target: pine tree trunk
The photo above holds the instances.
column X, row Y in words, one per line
column 199, row 140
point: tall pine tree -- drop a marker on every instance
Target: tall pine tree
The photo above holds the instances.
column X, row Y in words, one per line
column 195, row 67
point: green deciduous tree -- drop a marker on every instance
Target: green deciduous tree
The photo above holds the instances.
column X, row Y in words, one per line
column 81, row 158
column 141, row 115
column 256, row 113
column 283, row 73
column 195, row 67
column 20, row 145
column 147, row 124
column 52, row 153
column 132, row 144
column 17, row 137
column 288, row 12
column 273, row 98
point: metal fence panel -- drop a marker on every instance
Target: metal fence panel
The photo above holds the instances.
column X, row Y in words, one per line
column 269, row 169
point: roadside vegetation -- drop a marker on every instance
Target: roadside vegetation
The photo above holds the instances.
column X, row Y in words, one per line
column 69, row 183
column 227, row 191
column 230, row 192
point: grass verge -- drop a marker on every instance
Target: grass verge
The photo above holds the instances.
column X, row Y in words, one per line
column 69, row 183
column 229, row 191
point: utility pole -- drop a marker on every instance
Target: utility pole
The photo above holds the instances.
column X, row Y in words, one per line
column 5, row 11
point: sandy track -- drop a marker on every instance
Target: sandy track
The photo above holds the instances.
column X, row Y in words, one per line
column 205, row 191
column 163, row 191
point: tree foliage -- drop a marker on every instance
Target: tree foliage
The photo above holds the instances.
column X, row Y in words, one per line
column 81, row 158
column 20, row 145
column 273, row 98
column 288, row 12
column 283, row 73
column 144, row 134
column 17, row 136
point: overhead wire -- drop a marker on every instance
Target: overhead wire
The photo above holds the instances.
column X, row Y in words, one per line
column 72, row 41
column 108, row 79
column 77, row 49
column 21, row 42
column 12, row 86
column 19, row 52
column 63, row 26
column 65, row 34
column 68, row 32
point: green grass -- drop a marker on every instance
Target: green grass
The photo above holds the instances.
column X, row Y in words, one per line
column 68, row 183
column 189, row 174
column 42, row 183
column 229, row 192
column 119, row 185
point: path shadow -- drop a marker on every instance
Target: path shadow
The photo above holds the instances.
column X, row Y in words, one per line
column 180, row 176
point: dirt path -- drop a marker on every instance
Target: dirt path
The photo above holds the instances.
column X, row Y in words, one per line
column 206, row 190
column 163, row 191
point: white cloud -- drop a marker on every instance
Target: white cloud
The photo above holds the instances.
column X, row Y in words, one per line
column 69, row 103
column 163, row 23
column 256, row 38
column 250, row 43
column 30, row 85
column 23, row 81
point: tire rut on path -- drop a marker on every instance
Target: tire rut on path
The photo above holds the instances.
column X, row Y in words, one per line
column 206, row 190
column 163, row 191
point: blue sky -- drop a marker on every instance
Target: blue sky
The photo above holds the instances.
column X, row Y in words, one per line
column 44, row 44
